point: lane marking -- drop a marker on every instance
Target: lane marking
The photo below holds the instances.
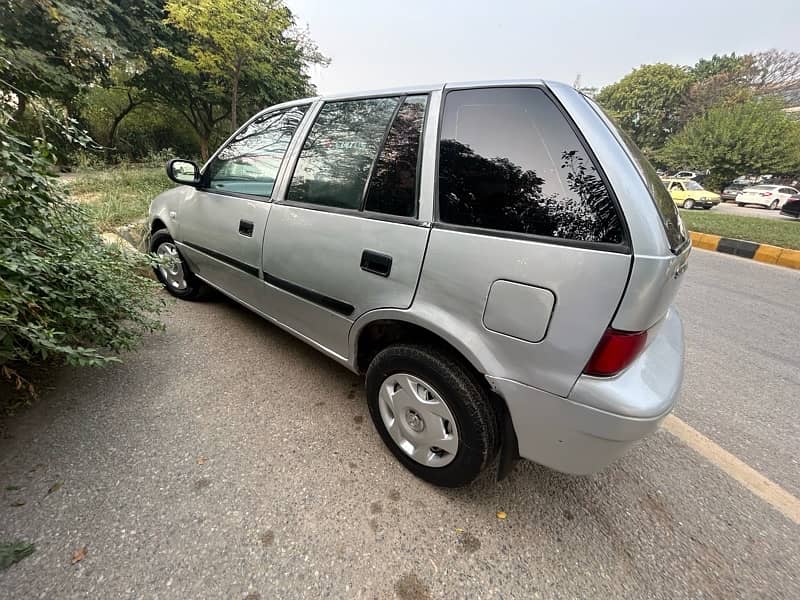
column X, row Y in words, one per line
column 754, row 481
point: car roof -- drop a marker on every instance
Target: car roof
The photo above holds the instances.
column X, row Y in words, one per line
column 412, row 89
column 420, row 89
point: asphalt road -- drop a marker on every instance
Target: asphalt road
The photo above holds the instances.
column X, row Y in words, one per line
column 750, row 211
column 227, row 459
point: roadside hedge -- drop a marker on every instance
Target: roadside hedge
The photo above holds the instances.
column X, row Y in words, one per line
column 64, row 294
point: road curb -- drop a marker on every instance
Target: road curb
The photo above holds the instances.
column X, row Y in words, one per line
column 772, row 255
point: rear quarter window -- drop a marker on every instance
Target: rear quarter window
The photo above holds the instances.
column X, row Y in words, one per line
column 670, row 219
column 510, row 161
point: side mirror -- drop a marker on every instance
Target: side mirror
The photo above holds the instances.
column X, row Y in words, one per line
column 184, row 172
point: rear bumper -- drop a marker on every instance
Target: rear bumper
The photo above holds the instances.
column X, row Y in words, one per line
column 602, row 417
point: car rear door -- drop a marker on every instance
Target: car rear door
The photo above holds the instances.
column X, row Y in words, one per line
column 222, row 222
column 344, row 238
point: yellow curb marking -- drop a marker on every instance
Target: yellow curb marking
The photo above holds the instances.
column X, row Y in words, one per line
column 789, row 258
column 754, row 481
column 767, row 254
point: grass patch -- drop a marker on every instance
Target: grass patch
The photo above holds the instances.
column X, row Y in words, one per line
column 754, row 229
column 118, row 195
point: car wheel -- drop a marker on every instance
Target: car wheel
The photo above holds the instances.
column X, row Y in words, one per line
column 707, row 208
column 774, row 205
column 688, row 204
column 740, row 204
column 432, row 413
column 174, row 274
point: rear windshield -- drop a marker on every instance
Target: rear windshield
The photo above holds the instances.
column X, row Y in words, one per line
column 764, row 187
column 673, row 226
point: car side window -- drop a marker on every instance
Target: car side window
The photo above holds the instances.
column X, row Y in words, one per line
column 250, row 162
column 338, row 153
column 510, row 161
column 393, row 184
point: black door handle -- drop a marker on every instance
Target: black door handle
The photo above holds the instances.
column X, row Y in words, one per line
column 246, row 228
column 375, row 262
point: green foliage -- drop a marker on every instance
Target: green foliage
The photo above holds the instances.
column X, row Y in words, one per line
column 52, row 48
column 63, row 293
column 647, row 102
column 720, row 64
column 12, row 552
column 132, row 128
column 220, row 58
column 751, row 137
column 785, row 234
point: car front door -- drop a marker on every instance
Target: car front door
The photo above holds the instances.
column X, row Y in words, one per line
column 222, row 223
column 345, row 238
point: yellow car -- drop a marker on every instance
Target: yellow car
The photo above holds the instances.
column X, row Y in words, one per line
column 688, row 194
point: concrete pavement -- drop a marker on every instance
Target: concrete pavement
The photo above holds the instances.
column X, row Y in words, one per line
column 227, row 459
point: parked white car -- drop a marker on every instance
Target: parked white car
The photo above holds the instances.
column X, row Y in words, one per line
column 770, row 196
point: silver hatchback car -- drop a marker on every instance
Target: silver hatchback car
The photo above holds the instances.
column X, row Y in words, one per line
column 496, row 257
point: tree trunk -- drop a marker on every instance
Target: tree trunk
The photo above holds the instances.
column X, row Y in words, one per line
column 22, row 103
column 235, row 99
column 204, row 146
column 112, row 134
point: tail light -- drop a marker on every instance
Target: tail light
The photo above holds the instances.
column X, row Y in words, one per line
column 766, row 193
column 616, row 350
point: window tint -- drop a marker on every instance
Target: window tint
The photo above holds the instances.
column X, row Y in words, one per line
column 510, row 161
column 393, row 185
column 670, row 219
column 250, row 163
column 337, row 155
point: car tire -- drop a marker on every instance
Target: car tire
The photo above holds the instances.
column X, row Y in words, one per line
column 432, row 413
column 707, row 208
column 740, row 204
column 688, row 204
column 774, row 205
column 178, row 281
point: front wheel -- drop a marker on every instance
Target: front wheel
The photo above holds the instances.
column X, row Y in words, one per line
column 432, row 414
column 774, row 205
column 173, row 272
column 688, row 204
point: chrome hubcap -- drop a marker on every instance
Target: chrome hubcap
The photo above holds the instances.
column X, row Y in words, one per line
column 418, row 420
column 171, row 268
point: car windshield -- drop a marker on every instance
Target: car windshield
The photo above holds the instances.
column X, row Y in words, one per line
column 764, row 187
column 693, row 185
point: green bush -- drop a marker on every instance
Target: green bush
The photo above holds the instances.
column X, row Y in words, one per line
column 64, row 294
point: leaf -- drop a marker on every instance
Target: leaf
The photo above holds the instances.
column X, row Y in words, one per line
column 79, row 554
column 55, row 487
column 11, row 552
column 18, row 503
column 501, row 515
column 202, row 460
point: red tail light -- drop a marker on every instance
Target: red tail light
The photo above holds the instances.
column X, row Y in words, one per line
column 766, row 193
column 616, row 350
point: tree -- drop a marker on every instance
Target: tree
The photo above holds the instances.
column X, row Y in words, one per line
column 775, row 71
column 751, row 137
column 648, row 102
column 720, row 80
column 53, row 48
column 237, row 45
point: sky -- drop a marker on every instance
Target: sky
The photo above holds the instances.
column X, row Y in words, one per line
column 381, row 43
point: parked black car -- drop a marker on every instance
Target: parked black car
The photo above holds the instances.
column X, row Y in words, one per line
column 730, row 191
column 791, row 208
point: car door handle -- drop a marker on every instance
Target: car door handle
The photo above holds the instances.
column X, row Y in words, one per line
column 246, row 228
column 375, row 262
